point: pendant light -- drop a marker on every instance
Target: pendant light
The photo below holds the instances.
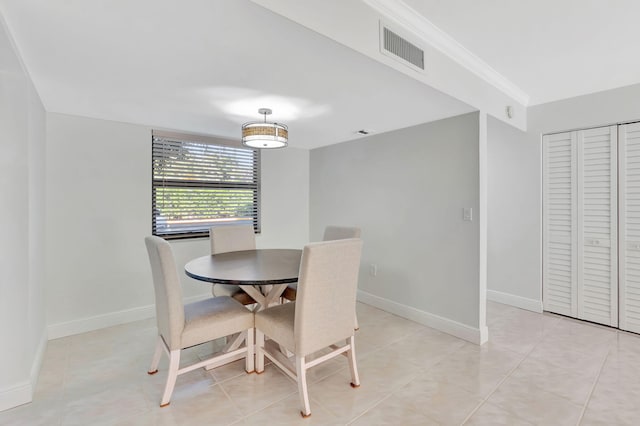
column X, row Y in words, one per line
column 263, row 134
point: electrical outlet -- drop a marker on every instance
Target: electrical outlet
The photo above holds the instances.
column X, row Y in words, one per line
column 373, row 270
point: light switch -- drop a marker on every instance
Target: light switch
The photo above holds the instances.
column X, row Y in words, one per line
column 467, row 214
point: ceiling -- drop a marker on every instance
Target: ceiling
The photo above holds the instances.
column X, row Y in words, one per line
column 207, row 66
column 551, row 49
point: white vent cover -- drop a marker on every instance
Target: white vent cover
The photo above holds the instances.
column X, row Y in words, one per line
column 395, row 46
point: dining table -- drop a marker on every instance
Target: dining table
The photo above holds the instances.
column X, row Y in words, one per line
column 262, row 273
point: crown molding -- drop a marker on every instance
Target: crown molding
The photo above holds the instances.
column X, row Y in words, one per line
column 412, row 21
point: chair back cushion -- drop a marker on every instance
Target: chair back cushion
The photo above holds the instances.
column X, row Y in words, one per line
column 326, row 299
column 232, row 238
column 168, row 290
column 340, row 233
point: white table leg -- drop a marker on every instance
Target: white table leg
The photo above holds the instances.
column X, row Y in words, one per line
column 274, row 293
column 256, row 295
column 234, row 342
column 263, row 301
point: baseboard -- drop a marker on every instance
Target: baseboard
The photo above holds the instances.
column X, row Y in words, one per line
column 37, row 360
column 513, row 300
column 457, row 329
column 22, row 393
column 97, row 322
column 18, row 394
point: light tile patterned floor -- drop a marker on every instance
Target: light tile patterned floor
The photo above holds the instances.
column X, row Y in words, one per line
column 536, row 369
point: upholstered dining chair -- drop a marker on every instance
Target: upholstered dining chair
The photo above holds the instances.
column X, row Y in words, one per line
column 340, row 233
column 182, row 326
column 321, row 317
column 228, row 238
column 330, row 233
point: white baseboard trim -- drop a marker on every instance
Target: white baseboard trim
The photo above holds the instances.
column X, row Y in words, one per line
column 22, row 393
column 37, row 360
column 83, row 325
column 463, row 331
column 18, row 394
column 513, row 300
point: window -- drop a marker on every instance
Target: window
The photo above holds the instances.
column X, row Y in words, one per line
column 199, row 182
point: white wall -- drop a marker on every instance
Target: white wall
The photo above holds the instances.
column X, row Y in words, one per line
column 513, row 215
column 22, row 328
column 99, row 211
column 518, row 172
column 407, row 189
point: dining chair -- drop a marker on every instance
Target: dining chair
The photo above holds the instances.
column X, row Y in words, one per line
column 321, row 317
column 340, row 233
column 182, row 326
column 330, row 233
column 228, row 238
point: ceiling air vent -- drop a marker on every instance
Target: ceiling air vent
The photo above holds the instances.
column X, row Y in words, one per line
column 397, row 47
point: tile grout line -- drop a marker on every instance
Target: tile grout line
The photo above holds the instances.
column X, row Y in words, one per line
column 65, row 382
column 392, row 392
column 485, row 399
column 368, row 409
column 235, row 405
column 555, row 325
column 593, row 387
column 274, row 402
column 316, row 401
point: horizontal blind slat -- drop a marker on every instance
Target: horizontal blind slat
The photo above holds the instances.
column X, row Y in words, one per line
column 197, row 185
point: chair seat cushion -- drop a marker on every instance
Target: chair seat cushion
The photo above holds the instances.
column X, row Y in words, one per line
column 214, row 318
column 277, row 322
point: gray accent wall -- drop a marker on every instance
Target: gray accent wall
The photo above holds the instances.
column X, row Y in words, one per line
column 407, row 189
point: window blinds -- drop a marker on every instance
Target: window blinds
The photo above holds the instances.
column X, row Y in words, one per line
column 200, row 182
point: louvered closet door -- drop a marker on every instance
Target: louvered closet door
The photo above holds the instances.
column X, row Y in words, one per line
column 560, row 224
column 597, row 225
column 629, row 164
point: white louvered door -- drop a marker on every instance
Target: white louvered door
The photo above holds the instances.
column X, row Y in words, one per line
column 598, row 225
column 629, row 179
column 560, row 224
column 580, row 259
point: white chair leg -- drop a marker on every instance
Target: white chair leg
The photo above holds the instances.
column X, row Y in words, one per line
column 249, row 364
column 356, row 326
column 174, row 365
column 156, row 357
column 259, row 351
column 301, row 373
column 351, row 356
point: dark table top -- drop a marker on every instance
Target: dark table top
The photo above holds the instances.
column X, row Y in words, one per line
column 251, row 267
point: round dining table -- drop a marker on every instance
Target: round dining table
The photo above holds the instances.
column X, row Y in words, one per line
column 263, row 273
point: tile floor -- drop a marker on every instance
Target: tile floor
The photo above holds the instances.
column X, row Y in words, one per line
column 537, row 369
